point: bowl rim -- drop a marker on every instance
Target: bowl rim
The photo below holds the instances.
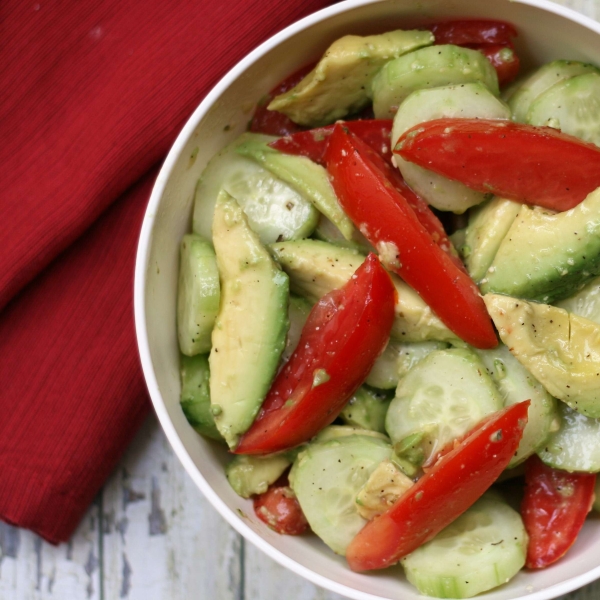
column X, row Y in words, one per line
column 141, row 270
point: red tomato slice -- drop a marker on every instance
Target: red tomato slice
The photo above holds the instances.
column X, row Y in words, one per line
column 279, row 508
column 554, row 508
column 473, row 31
column 343, row 335
column 455, row 483
column 503, row 58
column 313, row 143
column 271, row 122
column 387, row 220
column 534, row 165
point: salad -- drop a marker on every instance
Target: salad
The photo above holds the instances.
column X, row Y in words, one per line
column 388, row 306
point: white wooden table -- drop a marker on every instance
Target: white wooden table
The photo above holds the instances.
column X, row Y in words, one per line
column 151, row 535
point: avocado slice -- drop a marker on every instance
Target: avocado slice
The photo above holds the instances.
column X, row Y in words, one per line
column 340, row 83
column 488, row 225
column 546, row 256
column 561, row 350
column 309, row 179
column 250, row 475
column 315, row 268
column 251, row 327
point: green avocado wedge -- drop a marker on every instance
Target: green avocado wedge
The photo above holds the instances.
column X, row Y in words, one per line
column 251, row 327
column 547, row 256
column 561, row 350
column 340, row 83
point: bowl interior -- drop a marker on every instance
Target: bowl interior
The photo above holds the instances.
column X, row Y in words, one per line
column 546, row 32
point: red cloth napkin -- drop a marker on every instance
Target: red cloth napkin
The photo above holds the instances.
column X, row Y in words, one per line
column 93, row 94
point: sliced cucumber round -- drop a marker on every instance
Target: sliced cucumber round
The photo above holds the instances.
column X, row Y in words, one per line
column 541, row 80
column 516, row 384
column 573, row 106
column 468, row 100
column 429, row 67
column 397, row 360
column 275, row 211
column 484, row 548
column 326, row 231
column 198, row 295
column 444, row 396
column 576, row 445
column 326, row 479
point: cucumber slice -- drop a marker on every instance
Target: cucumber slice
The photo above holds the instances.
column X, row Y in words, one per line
column 576, row 445
column 326, row 479
column 275, row 210
column 488, row 225
column 308, row 178
column 585, row 303
column 397, row 360
column 573, row 106
column 198, row 295
column 195, row 395
column 367, row 409
column 484, row 548
column 250, row 475
column 429, row 67
column 298, row 311
column 440, row 399
column 516, row 384
column 468, row 100
column 541, row 80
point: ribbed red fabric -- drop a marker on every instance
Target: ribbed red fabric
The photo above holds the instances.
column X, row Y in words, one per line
column 93, row 94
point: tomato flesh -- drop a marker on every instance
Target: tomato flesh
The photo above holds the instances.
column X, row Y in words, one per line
column 554, row 509
column 534, row 165
column 279, row 508
column 343, row 336
column 387, row 220
column 473, row 31
column 503, row 58
column 313, row 143
column 455, row 482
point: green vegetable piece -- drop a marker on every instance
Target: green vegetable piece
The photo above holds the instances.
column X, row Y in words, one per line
column 195, row 395
column 250, row 475
column 308, row 178
column 430, row 67
column 561, row 350
column 251, row 328
column 198, row 295
column 340, row 83
column 366, row 409
column 546, row 256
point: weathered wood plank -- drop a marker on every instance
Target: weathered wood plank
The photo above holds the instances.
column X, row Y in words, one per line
column 161, row 539
column 32, row 569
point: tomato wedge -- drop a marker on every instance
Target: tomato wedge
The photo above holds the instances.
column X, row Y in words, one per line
column 473, row 31
column 454, row 484
column 271, row 122
column 534, row 165
column 554, row 508
column 387, row 220
column 343, row 335
column 279, row 508
column 313, row 143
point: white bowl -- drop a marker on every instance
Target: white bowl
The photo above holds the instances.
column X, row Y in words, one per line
column 546, row 32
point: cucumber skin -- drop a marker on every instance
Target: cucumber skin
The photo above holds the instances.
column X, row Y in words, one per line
column 198, row 295
column 433, row 569
column 195, row 395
